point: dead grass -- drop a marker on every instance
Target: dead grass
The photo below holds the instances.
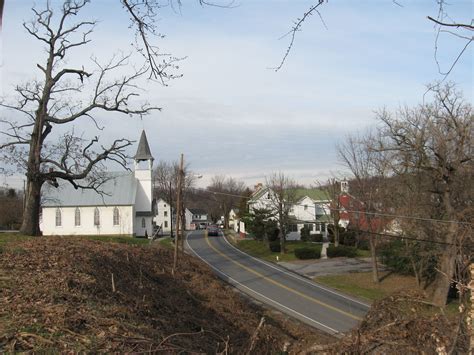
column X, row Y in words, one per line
column 403, row 323
column 59, row 297
column 360, row 284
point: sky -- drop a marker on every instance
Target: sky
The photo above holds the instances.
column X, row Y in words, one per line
column 230, row 113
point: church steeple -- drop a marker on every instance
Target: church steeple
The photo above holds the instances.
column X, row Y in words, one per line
column 143, row 152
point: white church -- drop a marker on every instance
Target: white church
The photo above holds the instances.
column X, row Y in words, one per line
column 124, row 208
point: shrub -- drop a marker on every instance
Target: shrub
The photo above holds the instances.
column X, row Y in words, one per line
column 318, row 238
column 341, row 250
column 308, row 252
column 305, row 234
column 395, row 256
column 348, row 237
column 275, row 246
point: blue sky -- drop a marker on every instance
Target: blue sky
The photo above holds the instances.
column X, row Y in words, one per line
column 230, row 114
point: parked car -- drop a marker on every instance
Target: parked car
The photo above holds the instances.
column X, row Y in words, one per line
column 212, row 230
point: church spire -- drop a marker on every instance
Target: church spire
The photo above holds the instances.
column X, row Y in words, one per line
column 143, row 150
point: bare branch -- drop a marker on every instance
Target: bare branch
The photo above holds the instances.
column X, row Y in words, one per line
column 297, row 27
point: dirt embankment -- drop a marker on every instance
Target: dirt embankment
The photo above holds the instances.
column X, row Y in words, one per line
column 57, row 293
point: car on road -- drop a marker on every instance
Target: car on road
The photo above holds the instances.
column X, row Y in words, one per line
column 212, row 230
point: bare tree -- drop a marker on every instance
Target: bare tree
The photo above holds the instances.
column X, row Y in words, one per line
column 227, row 192
column 369, row 190
column 332, row 190
column 282, row 197
column 58, row 99
column 431, row 148
column 165, row 182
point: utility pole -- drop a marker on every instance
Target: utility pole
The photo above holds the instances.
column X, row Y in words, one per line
column 171, row 211
column 178, row 216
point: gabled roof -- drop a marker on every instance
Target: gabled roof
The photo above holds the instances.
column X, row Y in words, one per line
column 143, row 150
column 161, row 200
column 119, row 189
column 197, row 211
column 314, row 194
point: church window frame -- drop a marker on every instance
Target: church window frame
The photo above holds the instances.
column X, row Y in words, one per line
column 116, row 216
column 77, row 217
column 96, row 217
column 58, row 218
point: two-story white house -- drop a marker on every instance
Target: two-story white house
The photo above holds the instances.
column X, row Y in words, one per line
column 233, row 217
column 311, row 209
column 163, row 216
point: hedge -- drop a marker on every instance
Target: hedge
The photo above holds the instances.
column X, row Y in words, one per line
column 275, row 246
column 341, row 250
column 308, row 252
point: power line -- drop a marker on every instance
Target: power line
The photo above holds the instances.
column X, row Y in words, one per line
column 410, row 238
column 426, row 219
column 401, row 216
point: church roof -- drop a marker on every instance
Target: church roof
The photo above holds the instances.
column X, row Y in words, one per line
column 143, row 150
column 119, row 189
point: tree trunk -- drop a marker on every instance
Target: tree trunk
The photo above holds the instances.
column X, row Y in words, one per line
column 440, row 286
column 281, row 234
column 444, row 276
column 336, row 235
column 375, row 268
column 30, row 223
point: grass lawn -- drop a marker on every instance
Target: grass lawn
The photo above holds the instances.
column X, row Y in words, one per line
column 363, row 253
column 11, row 237
column 116, row 239
column 261, row 250
column 16, row 237
column 167, row 243
column 361, row 285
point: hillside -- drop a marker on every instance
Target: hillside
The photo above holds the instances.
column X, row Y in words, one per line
column 57, row 293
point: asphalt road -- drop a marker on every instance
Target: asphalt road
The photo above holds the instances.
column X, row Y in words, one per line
column 290, row 293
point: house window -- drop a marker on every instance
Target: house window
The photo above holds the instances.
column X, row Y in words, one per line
column 309, row 226
column 58, row 218
column 166, row 213
column 96, row 217
column 116, row 217
column 293, row 228
column 166, row 224
column 164, row 205
column 77, row 217
column 305, row 207
column 143, row 223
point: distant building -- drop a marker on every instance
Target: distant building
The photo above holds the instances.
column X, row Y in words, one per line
column 195, row 218
column 124, row 207
column 163, row 217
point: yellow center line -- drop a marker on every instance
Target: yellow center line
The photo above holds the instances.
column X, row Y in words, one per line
column 280, row 284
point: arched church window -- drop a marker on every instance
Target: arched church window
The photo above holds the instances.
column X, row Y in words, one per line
column 116, row 217
column 77, row 217
column 58, row 218
column 96, row 217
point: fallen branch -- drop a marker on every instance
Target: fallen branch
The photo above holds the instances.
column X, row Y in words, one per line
column 255, row 335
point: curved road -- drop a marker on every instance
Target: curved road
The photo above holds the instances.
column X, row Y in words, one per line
column 290, row 293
